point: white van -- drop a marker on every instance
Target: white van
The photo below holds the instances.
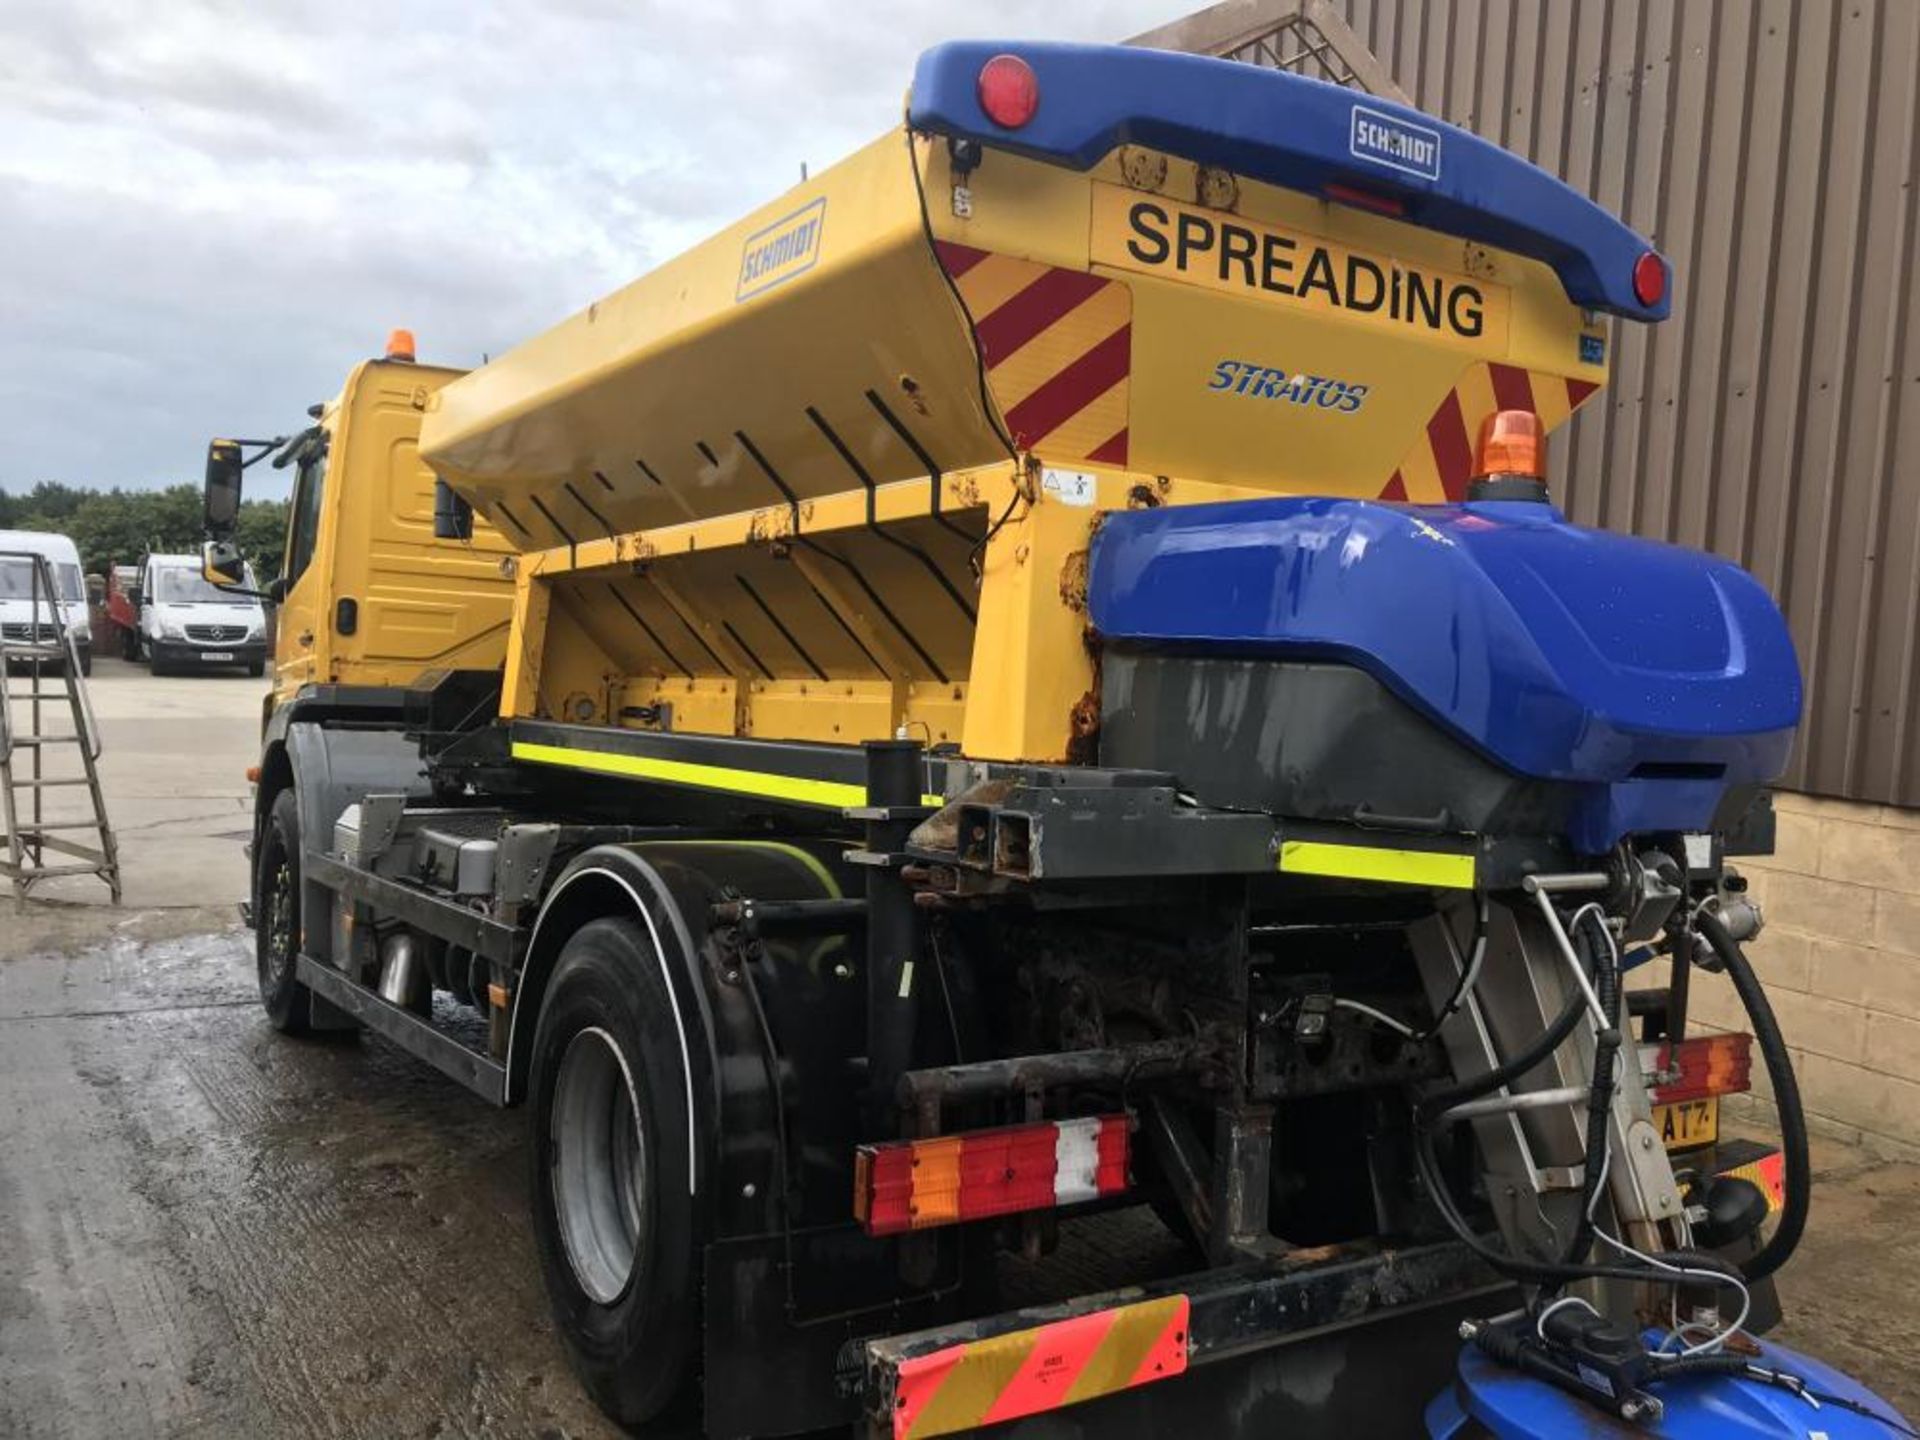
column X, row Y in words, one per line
column 189, row 623
column 18, row 622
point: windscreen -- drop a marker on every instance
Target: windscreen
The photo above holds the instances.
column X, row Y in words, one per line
column 16, row 578
column 177, row 585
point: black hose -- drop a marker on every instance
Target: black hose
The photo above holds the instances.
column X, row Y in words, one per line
column 1549, row 1041
column 1546, row 1273
column 1786, row 1098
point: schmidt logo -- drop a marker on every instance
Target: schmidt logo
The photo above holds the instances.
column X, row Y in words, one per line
column 1396, row 143
column 780, row 251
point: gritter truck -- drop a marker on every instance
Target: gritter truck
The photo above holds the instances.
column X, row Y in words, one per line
column 1014, row 762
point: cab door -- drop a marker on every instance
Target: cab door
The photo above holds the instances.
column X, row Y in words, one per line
column 301, row 633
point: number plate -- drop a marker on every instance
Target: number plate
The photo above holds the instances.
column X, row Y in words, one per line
column 1688, row 1123
column 216, row 655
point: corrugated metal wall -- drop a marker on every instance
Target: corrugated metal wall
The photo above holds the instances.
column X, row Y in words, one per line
column 1769, row 147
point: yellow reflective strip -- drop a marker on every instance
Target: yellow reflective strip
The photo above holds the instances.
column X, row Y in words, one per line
column 996, row 280
column 1549, row 398
column 1373, row 862
column 1420, row 473
column 833, row 794
column 1477, row 402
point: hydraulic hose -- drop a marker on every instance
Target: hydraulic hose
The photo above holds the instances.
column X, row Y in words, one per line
column 1786, row 1098
column 1549, row 1040
column 1548, row 1273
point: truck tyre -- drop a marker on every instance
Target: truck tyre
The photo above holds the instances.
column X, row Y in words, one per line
column 617, row 1224
column 276, row 919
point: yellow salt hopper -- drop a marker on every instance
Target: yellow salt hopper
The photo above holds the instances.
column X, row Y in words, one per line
column 832, row 475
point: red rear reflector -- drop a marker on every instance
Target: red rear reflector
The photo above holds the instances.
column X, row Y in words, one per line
column 1008, row 90
column 913, row 1184
column 1365, row 199
column 1707, row 1065
column 1649, row 279
column 1769, row 1172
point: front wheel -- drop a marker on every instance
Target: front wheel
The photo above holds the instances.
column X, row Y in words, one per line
column 276, row 919
column 618, row 1224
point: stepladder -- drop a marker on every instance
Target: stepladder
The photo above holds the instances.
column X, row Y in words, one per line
column 55, row 811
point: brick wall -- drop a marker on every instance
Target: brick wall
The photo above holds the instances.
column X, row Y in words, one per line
column 1840, row 958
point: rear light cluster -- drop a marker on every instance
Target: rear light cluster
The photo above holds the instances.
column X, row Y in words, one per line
column 914, row 1184
column 1705, row 1066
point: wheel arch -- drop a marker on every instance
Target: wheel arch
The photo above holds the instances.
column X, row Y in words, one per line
column 606, row 882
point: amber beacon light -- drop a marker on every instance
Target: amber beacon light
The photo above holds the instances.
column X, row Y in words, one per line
column 1510, row 462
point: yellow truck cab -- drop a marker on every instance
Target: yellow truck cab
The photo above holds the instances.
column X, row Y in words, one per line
column 367, row 597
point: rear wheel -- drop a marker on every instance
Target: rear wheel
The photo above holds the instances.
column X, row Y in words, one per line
column 276, row 918
column 617, row 1222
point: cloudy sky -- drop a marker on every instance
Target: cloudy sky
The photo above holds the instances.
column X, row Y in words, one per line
column 209, row 209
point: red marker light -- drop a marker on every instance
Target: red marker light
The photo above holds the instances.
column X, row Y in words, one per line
column 1366, row 199
column 1649, row 279
column 1009, row 91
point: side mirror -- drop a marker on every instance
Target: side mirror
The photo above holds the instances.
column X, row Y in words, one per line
column 222, row 507
column 277, row 589
column 220, row 562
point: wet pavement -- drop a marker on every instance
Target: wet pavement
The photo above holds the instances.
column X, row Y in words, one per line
column 209, row 1229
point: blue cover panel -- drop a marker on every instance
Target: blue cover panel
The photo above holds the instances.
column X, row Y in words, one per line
column 1294, row 132
column 1656, row 675
column 1510, row 1406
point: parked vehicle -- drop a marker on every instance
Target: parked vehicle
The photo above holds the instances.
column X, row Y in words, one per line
column 189, row 623
column 1037, row 676
column 26, row 616
column 123, row 608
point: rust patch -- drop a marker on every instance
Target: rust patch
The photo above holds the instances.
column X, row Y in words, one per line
column 966, row 490
column 770, row 527
column 1143, row 497
column 1216, row 189
column 1083, row 720
column 1073, row 581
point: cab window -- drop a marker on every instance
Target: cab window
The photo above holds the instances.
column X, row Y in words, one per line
column 304, row 530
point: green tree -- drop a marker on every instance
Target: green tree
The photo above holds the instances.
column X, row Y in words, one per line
column 119, row 527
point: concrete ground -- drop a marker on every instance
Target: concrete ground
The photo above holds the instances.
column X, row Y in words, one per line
column 206, row 1229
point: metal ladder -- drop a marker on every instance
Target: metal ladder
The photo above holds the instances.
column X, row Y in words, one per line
column 29, row 752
